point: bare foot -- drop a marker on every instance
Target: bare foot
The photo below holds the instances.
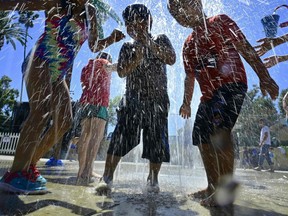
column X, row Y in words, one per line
column 96, row 175
column 202, row 194
column 103, row 189
column 223, row 196
column 209, row 201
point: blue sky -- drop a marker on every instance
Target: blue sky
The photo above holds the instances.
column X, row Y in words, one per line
column 247, row 14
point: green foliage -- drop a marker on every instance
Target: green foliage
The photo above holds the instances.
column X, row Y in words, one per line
column 104, row 11
column 27, row 17
column 7, row 101
column 254, row 108
column 113, row 104
column 10, row 30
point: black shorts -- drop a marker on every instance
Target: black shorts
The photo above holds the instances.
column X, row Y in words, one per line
column 220, row 112
column 152, row 117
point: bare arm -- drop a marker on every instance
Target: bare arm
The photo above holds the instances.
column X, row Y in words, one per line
column 29, row 4
column 96, row 44
column 115, row 36
column 110, row 67
column 185, row 109
column 267, row 84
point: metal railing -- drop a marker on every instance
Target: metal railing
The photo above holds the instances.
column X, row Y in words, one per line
column 8, row 142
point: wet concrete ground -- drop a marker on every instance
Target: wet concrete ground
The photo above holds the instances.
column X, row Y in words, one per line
column 260, row 193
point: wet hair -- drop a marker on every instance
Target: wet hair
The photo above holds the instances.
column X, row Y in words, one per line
column 139, row 11
column 104, row 55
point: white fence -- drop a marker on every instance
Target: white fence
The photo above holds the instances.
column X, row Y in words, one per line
column 8, row 142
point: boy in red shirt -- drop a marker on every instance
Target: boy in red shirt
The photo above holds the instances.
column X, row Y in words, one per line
column 211, row 56
column 95, row 79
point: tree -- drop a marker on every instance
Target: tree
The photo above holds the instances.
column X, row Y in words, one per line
column 26, row 18
column 7, row 101
column 254, row 108
column 10, row 30
column 113, row 104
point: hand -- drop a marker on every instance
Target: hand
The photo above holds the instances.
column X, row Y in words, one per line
column 264, row 47
column 270, row 61
column 109, row 68
column 260, row 144
column 185, row 111
column 269, row 86
column 144, row 39
column 117, row 35
column 106, row 67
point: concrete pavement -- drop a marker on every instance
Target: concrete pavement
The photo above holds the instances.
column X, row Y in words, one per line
column 260, row 193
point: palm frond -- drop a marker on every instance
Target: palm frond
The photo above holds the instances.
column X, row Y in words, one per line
column 11, row 30
column 106, row 9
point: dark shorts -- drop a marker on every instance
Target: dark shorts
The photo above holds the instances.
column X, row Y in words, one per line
column 152, row 117
column 220, row 112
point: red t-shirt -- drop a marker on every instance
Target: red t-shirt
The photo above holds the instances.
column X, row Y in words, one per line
column 211, row 57
column 95, row 83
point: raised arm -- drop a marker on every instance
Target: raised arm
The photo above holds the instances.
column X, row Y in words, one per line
column 96, row 44
column 29, row 4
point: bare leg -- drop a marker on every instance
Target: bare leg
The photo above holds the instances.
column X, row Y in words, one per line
column 38, row 89
column 97, row 132
column 104, row 188
column 62, row 119
column 83, row 145
column 153, row 184
column 153, row 173
column 57, row 151
column 221, row 165
column 210, row 161
column 110, row 166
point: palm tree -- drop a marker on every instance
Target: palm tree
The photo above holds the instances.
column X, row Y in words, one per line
column 10, row 30
column 26, row 18
column 104, row 11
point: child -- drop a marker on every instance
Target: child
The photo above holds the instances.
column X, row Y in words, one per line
column 94, row 101
column 265, row 144
column 146, row 103
column 211, row 57
column 50, row 60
